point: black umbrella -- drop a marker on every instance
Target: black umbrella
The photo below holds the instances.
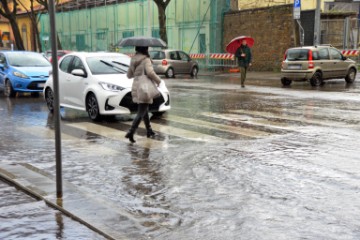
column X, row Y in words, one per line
column 142, row 42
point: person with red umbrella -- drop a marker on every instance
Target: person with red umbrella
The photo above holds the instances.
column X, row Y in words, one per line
column 240, row 46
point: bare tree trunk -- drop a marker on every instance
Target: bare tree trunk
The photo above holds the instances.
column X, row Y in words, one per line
column 162, row 4
column 11, row 16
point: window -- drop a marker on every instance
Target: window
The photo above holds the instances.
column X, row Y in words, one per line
column 324, row 54
column 2, row 59
column 155, row 33
column 184, row 56
column 157, row 55
column 64, row 66
column 173, row 56
column 315, row 55
column 335, row 54
column 127, row 34
column 297, row 54
column 76, row 64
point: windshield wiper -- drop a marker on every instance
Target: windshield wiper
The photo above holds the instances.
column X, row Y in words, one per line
column 113, row 66
column 122, row 64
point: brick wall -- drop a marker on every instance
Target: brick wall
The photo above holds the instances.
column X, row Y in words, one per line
column 273, row 31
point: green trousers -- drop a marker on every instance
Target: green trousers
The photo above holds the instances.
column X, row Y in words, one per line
column 243, row 75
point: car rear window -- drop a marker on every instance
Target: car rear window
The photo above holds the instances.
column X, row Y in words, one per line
column 297, row 54
column 157, row 55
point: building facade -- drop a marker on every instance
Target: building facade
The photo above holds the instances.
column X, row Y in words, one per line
column 194, row 26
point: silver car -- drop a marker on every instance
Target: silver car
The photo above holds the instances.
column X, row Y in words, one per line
column 171, row 62
column 315, row 64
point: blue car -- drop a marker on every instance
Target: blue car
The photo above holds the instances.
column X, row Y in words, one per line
column 23, row 71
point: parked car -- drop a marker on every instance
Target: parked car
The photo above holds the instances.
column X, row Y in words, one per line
column 23, row 71
column 172, row 62
column 60, row 53
column 97, row 83
column 315, row 64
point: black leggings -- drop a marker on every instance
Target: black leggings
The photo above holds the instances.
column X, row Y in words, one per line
column 142, row 113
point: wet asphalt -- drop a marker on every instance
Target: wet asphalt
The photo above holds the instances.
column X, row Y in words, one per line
column 260, row 162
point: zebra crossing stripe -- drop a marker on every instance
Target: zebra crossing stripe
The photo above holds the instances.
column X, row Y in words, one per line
column 222, row 127
column 116, row 134
column 262, row 122
column 68, row 140
column 182, row 133
column 292, row 118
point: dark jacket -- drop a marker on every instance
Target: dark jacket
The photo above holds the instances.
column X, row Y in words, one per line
column 243, row 61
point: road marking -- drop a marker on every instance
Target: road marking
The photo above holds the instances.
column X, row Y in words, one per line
column 72, row 141
column 293, row 118
column 118, row 135
column 221, row 127
column 262, row 122
column 182, row 133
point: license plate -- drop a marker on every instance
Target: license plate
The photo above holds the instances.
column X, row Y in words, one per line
column 294, row 66
column 41, row 85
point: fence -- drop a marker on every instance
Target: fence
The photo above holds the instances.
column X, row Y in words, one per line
column 216, row 60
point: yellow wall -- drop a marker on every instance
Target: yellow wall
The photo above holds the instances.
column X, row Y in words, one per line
column 305, row 4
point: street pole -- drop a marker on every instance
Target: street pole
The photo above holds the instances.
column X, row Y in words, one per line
column 317, row 30
column 55, row 73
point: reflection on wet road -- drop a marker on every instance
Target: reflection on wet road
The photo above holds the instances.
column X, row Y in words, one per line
column 263, row 162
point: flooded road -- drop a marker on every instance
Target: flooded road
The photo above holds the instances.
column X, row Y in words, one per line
column 264, row 162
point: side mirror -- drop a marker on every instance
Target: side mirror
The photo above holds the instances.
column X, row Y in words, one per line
column 2, row 67
column 79, row 73
column 344, row 58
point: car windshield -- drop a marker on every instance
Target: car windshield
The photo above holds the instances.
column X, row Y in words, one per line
column 297, row 54
column 27, row 59
column 157, row 55
column 108, row 64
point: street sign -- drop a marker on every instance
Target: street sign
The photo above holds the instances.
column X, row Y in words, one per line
column 297, row 9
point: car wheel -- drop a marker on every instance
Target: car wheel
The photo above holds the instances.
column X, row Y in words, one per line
column 170, row 73
column 350, row 77
column 9, row 91
column 92, row 107
column 49, row 98
column 194, row 72
column 316, row 79
column 286, row 81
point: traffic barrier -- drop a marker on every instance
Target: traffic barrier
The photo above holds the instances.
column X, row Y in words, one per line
column 197, row 55
column 225, row 56
column 350, row 53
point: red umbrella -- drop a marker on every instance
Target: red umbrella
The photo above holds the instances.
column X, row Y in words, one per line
column 236, row 43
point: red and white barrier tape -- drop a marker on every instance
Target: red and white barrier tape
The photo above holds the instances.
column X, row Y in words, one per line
column 350, row 52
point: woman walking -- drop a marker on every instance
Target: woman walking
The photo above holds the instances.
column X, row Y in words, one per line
column 139, row 64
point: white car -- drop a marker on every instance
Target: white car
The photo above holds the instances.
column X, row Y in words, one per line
column 97, row 83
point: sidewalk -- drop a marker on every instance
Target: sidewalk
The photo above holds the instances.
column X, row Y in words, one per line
column 92, row 211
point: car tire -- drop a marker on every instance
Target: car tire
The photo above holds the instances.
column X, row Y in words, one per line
column 194, row 72
column 9, row 91
column 92, row 107
column 170, row 73
column 316, row 79
column 286, row 81
column 350, row 77
column 49, row 98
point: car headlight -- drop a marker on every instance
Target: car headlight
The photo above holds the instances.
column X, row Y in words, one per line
column 111, row 87
column 20, row 75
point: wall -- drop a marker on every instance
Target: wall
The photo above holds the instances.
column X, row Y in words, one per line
column 272, row 29
column 305, row 4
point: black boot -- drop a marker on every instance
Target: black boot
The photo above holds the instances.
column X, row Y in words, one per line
column 130, row 136
column 150, row 133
